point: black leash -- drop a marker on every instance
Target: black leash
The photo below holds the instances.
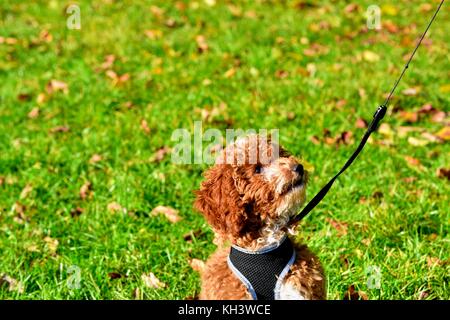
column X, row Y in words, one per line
column 377, row 117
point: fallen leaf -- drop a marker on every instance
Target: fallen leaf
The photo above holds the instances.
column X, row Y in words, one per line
column 439, row 116
column 314, row 139
column 389, row 9
column 411, row 91
column 86, row 190
column 41, row 98
column 351, row 8
column 370, row 56
column 34, row 113
column 114, row 275
column 170, row 213
column 281, row 74
column 230, row 73
column 151, row 281
column 390, row 26
column 409, row 116
column 60, row 129
column 412, row 161
column 361, row 123
column 56, row 86
column 153, row 34
column 352, row 294
column 52, row 244
column 430, row 137
column 445, row 88
column 170, row 23
column 24, row 97
column 341, row 103
column 19, row 209
column 423, row 294
column 114, row 207
column 11, row 283
column 197, row 265
column 443, row 173
column 26, row 191
column 95, row 158
column 444, row 133
column 417, row 142
column 160, row 154
column 341, row 227
column 76, row 212
column 433, row 261
column 427, row 109
column 202, row 46
column 157, row 11
column 188, row 237
column 144, row 126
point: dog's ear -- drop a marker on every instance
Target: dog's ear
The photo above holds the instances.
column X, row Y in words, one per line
column 219, row 201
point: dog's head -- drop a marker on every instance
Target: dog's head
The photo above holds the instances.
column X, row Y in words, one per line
column 251, row 192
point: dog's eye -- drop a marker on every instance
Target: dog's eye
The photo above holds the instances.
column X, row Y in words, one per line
column 258, row 169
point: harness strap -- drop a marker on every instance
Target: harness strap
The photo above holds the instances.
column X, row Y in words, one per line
column 379, row 114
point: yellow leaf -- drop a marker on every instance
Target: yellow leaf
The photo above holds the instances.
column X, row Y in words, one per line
column 370, row 56
column 444, row 88
column 389, row 9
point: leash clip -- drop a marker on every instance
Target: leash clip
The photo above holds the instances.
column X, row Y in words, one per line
column 378, row 115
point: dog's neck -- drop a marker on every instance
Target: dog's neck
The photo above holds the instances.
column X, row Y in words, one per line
column 270, row 235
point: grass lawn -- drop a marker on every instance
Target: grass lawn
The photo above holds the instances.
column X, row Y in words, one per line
column 86, row 117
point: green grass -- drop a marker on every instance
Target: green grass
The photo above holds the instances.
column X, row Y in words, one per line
column 400, row 226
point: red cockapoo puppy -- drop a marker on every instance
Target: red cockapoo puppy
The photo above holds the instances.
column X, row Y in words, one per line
column 248, row 198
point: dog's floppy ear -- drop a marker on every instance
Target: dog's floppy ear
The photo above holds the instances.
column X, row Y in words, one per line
column 219, row 201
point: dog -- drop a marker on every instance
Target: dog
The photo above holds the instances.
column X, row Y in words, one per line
column 248, row 198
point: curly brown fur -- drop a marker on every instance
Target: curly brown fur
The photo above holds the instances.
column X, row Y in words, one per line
column 248, row 201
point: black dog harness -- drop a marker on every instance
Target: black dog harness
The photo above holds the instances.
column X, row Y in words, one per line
column 262, row 272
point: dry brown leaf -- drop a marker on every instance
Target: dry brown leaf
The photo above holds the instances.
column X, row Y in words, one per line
column 26, row 191
column 170, row 213
column 160, row 154
column 202, row 46
column 443, row 173
column 34, row 113
column 315, row 139
column 59, row 129
column 52, row 244
column 444, row 133
column 341, row 227
column 230, row 73
column 433, row 261
column 438, row 117
column 430, row 137
column 145, row 127
column 411, row 91
column 412, row 161
column 24, row 97
column 95, row 158
column 352, row 294
column 114, row 207
column 361, row 123
column 151, row 281
column 86, row 190
column 197, row 265
column 281, row 74
column 109, row 61
column 351, row 8
column 76, row 212
column 56, row 86
column 11, row 283
column 409, row 116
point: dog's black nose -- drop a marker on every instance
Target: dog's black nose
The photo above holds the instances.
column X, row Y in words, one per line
column 299, row 169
